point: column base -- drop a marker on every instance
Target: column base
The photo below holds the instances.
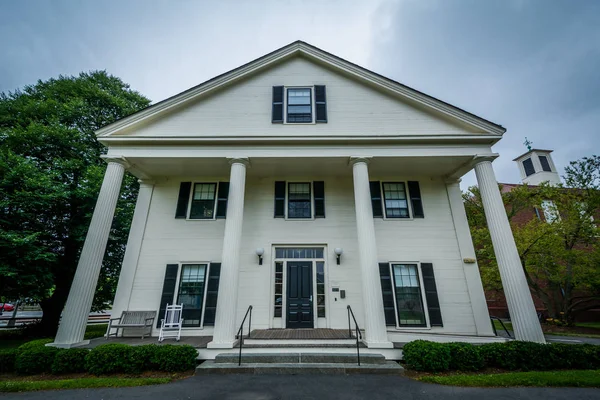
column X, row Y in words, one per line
column 379, row 345
column 221, row 345
column 68, row 345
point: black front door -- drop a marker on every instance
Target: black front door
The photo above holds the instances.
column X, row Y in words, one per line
column 299, row 294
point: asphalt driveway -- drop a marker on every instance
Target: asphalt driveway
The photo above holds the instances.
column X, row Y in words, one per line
column 349, row 387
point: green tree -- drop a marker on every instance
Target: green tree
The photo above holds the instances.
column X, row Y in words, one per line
column 560, row 256
column 50, row 176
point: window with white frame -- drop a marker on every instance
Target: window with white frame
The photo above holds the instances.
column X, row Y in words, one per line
column 299, row 105
column 299, row 200
column 395, row 200
column 191, row 292
column 203, row 202
column 409, row 295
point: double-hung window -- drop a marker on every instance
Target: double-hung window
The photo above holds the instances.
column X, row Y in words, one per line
column 395, row 200
column 299, row 200
column 409, row 298
column 191, row 292
column 391, row 199
column 299, row 105
column 203, row 201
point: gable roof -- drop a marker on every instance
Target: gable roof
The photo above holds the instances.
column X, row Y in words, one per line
column 311, row 52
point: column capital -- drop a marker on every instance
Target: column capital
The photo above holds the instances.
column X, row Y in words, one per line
column 358, row 159
column 146, row 182
column 239, row 160
column 116, row 159
column 479, row 158
column 452, row 181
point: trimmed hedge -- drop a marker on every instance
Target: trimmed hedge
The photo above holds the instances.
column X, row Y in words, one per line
column 427, row 356
column 422, row 355
column 121, row 358
column 36, row 360
column 7, row 360
column 68, row 361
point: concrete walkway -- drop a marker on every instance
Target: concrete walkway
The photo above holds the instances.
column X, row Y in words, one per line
column 350, row 387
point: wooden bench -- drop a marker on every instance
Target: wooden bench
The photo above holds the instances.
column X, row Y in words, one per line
column 132, row 319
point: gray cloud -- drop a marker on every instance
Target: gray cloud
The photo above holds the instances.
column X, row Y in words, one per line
column 530, row 65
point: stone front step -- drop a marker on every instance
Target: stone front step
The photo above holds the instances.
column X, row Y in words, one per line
column 211, row 367
column 301, row 342
column 300, row 358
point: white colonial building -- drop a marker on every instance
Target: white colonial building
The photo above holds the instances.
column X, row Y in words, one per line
column 302, row 184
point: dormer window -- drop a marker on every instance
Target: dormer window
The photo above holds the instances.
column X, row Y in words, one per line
column 545, row 164
column 528, row 165
column 299, row 105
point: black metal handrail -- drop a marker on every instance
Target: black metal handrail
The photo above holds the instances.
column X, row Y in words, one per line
column 357, row 331
column 240, row 333
column 501, row 323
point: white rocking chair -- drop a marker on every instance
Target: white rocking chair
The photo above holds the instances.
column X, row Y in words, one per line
column 170, row 326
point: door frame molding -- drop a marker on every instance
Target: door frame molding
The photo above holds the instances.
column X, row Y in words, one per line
column 283, row 320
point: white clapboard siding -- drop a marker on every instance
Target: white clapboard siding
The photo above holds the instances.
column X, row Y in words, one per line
column 432, row 239
column 244, row 109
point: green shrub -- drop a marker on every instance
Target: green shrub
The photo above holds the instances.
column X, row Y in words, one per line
column 7, row 360
column 33, row 344
column 111, row 358
column 69, row 361
column 493, row 353
column 465, row 357
column 422, row 355
column 35, row 360
column 174, row 358
column 578, row 356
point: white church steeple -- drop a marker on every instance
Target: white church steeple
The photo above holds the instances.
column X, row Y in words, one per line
column 536, row 166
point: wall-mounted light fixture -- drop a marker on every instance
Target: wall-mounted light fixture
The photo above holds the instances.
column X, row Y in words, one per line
column 338, row 252
column 259, row 252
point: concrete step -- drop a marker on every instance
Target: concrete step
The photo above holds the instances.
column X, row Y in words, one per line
column 299, row 358
column 301, row 342
column 211, row 367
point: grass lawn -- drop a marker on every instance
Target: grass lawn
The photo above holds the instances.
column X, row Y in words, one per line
column 595, row 325
column 583, row 378
column 499, row 327
column 22, row 385
column 8, row 340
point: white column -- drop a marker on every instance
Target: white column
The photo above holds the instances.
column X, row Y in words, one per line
column 75, row 314
column 520, row 304
column 134, row 246
column 375, row 328
column 481, row 315
column 226, row 318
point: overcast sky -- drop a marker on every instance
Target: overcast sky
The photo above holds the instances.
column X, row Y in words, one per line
column 531, row 66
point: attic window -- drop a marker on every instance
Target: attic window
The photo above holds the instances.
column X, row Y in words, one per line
column 299, row 105
column 545, row 164
column 528, row 165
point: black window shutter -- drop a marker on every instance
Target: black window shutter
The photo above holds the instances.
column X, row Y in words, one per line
column 433, row 303
column 222, row 195
column 280, row 199
column 376, row 199
column 545, row 164
column 415, row 199
column 319, row 190
column 212, row 293
column 388, row 295
column 168, row 292
column 277, row 104
column 320, row 103
column 182, row 200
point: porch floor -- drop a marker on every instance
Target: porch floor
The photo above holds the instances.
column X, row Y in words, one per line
column 296, row 334
column 198, row 342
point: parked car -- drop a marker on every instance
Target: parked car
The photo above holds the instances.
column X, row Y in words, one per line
column 6, row 307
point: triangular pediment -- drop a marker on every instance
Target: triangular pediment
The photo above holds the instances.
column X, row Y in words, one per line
column 359, row 102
